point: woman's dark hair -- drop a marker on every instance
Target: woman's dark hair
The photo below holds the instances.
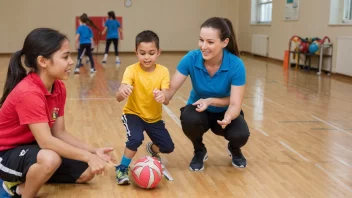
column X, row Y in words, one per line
column 226, row 31
column 39, row 42
column 111, row 14
column 85, row 19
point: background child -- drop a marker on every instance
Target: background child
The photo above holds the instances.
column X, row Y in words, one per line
column 144, row 83
column 113, row 28
column 84, row 41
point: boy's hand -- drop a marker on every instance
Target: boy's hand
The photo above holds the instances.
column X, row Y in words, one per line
column 159, row 96
column 125, row 90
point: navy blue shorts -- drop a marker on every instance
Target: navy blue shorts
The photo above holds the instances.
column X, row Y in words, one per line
column 135, row 126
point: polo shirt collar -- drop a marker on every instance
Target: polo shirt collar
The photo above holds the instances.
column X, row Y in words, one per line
column 36, row 79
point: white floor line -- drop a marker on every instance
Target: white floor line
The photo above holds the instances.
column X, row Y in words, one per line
column 346, row 132
column 265, row 98
column 246, row 106
column 333, row 177
column 183, row 100
column 294, row 151
column 262, row 132
column 172, row 115
column 342, row 162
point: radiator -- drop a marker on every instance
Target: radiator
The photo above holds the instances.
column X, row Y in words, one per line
column 260, row 45
column 344, row 55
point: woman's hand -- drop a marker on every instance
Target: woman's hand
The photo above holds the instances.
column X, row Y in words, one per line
column 224, row 122
column 202, row 104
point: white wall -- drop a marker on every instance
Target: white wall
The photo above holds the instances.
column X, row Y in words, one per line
column 313, row 22
column 176, row 22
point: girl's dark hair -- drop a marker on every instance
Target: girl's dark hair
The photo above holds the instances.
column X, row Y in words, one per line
column 111, row 14
column 147, row 36
column 226, row 31
column 39, row 42
column 85, row 19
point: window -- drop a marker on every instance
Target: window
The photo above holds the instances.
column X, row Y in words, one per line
column 262, row 11
column 340, row 11
column 347, row 11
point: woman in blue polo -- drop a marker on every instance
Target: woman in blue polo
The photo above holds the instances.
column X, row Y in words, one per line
column 218, row 78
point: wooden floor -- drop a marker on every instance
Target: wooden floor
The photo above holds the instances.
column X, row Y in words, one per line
column 300, row 143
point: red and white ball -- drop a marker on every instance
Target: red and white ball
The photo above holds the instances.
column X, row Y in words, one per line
column 147, row 172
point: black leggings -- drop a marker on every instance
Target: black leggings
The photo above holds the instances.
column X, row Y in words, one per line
column 195, row 124
column 87, row 49
column 116, row 44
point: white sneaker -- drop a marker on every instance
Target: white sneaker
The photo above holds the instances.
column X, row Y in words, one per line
column 92, row 70
column 77, row 70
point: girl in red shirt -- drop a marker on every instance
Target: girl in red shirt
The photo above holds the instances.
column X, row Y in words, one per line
column 35, row 147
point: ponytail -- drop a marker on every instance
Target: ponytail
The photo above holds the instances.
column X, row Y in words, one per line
column 15, row 74
column 232, row 45
column 85, row 19
column 225, row 28
column 91, row 23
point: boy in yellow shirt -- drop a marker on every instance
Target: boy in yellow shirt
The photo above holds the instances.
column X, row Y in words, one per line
column 144, row 84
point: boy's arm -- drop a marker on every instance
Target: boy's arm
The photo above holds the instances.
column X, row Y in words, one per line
column 126, row 87
column 123, row 92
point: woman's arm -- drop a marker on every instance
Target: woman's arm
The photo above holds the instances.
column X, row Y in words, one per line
column 234, row 110
column 176, row 81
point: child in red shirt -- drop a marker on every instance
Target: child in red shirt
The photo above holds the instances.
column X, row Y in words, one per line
column 35, row 147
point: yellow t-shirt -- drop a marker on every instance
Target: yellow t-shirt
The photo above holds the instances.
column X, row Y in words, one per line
column 141, row 102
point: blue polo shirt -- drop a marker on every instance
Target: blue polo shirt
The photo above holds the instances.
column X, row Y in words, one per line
column 85, row 34
column 231, row 72
column 112, row 29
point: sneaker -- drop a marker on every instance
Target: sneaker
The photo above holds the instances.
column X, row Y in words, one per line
column 76, row 70
column 10, row 188
column 151, row 152
column 103, row 61
column 197, row 163
column 92, row 70
column 238, row 160
column 122, row 175
column 118, row 62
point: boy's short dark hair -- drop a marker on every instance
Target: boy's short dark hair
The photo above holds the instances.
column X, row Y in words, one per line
column 147, row 36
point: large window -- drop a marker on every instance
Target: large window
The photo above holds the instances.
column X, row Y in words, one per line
column 261, row 11
column 340, row 11
column 347, row 11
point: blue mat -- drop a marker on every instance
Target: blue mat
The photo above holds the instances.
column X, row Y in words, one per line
column 3, row 193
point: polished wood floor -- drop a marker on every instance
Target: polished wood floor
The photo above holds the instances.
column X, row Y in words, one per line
column 300, row 143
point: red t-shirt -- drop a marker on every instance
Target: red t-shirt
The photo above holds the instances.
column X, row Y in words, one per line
column 29, row 102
